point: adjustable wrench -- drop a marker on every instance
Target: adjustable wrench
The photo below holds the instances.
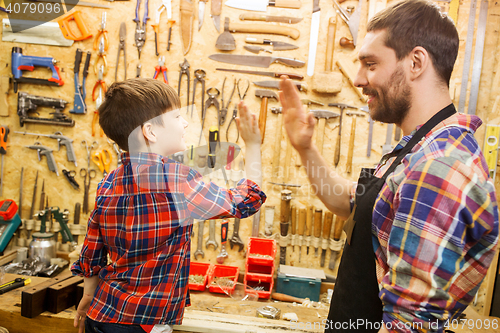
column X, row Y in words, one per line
column 199, row 247
column 236, row 240
column 211, row 236
column 223, row 239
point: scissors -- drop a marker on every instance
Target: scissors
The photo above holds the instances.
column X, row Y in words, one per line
column 86, row 184
column 103, row 160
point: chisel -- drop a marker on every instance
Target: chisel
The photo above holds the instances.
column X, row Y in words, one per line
column 335, row 244
column 327, row 226
column 300, row 231
column 286, row 197
column 309, row 220
column 318, row 217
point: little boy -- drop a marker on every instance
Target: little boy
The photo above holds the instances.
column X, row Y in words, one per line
column 144, row 211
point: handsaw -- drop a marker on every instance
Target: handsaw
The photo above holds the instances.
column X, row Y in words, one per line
column 187, row 18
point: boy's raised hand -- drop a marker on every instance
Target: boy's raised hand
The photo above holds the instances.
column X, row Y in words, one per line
column 299, row 124
column 248, row 125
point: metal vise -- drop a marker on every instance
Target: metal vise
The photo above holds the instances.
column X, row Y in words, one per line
column 27, row 103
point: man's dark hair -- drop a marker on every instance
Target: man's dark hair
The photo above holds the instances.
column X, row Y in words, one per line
column 131, row 103
column 415, row 23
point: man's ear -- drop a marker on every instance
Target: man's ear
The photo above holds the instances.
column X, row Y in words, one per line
column 148, row 132
column 420, row 61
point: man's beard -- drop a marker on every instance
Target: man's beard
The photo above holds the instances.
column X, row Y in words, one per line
column 392, row 103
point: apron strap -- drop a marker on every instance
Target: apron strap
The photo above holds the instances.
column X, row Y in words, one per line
column 422, row 131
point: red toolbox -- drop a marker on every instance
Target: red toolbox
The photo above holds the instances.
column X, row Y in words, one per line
column 199, row 268
column 221, row 271
column 260, row 266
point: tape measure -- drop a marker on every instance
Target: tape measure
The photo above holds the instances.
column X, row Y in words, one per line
column 490, row 150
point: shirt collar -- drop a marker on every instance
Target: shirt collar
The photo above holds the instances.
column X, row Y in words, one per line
column 144, row 158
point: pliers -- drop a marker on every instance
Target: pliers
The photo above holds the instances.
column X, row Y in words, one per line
column 140, row 30
column 102, row 33
column 98, row 99
column 101, row 54
column 235, row 111
column 223, row 110
column 184, row 70
column 161, row 68
column 100, row 82
column 199, row 77
column 165, row 5
column 121, row 46
column 212, row 100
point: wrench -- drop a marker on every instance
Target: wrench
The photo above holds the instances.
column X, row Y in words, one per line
column 211, row 236
column 236, row 240
column 199, row 247
column 223, row 239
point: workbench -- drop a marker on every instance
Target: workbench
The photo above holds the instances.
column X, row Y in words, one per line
column 208, row 312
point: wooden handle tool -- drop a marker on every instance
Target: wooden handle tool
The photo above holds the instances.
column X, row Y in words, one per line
column 277, row 145
column 327, row 226
column 351, row 145
column 330, row 43
column 318, row 217
column 286, row 298
column 265, row 29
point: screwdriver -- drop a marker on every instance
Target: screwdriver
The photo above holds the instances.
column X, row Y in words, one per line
column 4, row 133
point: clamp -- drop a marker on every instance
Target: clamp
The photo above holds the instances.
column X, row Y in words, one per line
column 80, row 92
column 161, row 68
column 199, row 77
column 165, row 5
column 223, row 110
column 235, row 111
column 101, row 53
column 212, row 100
column 121, row 46
column 102, row 33
column 140, row 30
column 184, row 70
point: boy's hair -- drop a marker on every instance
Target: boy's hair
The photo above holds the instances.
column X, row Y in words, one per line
column 131, row 103
column 414, row 23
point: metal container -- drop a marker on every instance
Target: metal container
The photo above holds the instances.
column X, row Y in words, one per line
column 43, row 246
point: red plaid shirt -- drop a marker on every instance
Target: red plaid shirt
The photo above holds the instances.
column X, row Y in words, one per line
column 143, row 218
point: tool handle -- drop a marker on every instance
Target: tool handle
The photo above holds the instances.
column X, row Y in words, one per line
column 263, row 118
column 87, row 64
column 351, row 145
column 286, row 298
column 320, row 134
column 4, row 134
column 77, row 213
column 78, row 60
column 17, row 283
column 230, row 157
column 146, row 11
column 265, row 29
column 345, row 42
column 253, row 17
column 290, row 75
column 80, row 23
column 51, row 162
column 42, row 197
column 327, row 225
column 288, row 4
column 70, row 152
column 277, row 145
column 223, row 231
column 330, row 43
column 286, row 197
column 337, row 229
column 336, row 157
column 318, row 216
column 302, row 221
column 216, row 7
column 293, row 225
column 309, row 220
column 213, row 138
column 136, row 20
column 289, row 62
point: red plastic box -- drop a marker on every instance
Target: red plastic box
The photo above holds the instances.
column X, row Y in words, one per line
column 223, row 271
column 199, row 268
column 259, row 246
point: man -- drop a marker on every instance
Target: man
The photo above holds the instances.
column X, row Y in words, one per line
column 428, row 211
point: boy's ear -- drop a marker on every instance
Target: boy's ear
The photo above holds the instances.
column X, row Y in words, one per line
column 148, row 132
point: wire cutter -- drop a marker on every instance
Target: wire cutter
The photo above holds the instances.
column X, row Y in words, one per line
column 223, row 110
column 101, row 53
column 199, row 77
column 102, row 33
column 161, row 68
column 235, row 111
column 212, row 100
column 100, row 82
column 140, row 30
column 103, row 160
column 165, row 5
column 184, row 70
column 121, row 46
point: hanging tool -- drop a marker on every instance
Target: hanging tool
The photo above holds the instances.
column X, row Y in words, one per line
column 272, row 74
column 33, row 199
column 70, row 176
column 165, row 5
column 47, row 152
column 322, row 116
column 223, row 239
column 255, row 61
column 309, row 225
column 235, row 110
column 336, row 243
column 213, row 140
column 350, row 152
column 212, row 100
column 102, row 33
column 301, row 229
column 199, row 245
column 211, row 236
column 341, row 106
column 201, row 12
column 101, row 54
column 349, row 70
column 103, row 160
column 20, row 62
column 61, row 140
column 264, row 95
column 27, row 103
column 121, row 46
column 215, row 10
column 80, row 91
column 235, row 239
column 140, row 29
column 20, row 211
column 277, row 45
column 277, row 141
column 4, row 134
column 286, row 197
column 87, row 174
column 327, row 226
column 318, row 217
column 100, row 83
column 313, row 37
column 187, row 16
column 66, row 26
column 275, row 84
column 469, row 41
column 293, row 227
column 269, row 18
column 184, row 71
column 261, row 5
column 199, row 76
column 161, row 68
column 256, row 49
column 223, row 110
column 42, row 197
column 490, row 148
column 352, row 21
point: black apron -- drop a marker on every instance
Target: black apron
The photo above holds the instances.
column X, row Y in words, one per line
column 356, row 296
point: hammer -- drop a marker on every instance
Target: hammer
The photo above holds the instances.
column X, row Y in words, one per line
column 277, row 143
column 341, row 106
column 323, row 116
column 265, row 95
column 351, row 139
